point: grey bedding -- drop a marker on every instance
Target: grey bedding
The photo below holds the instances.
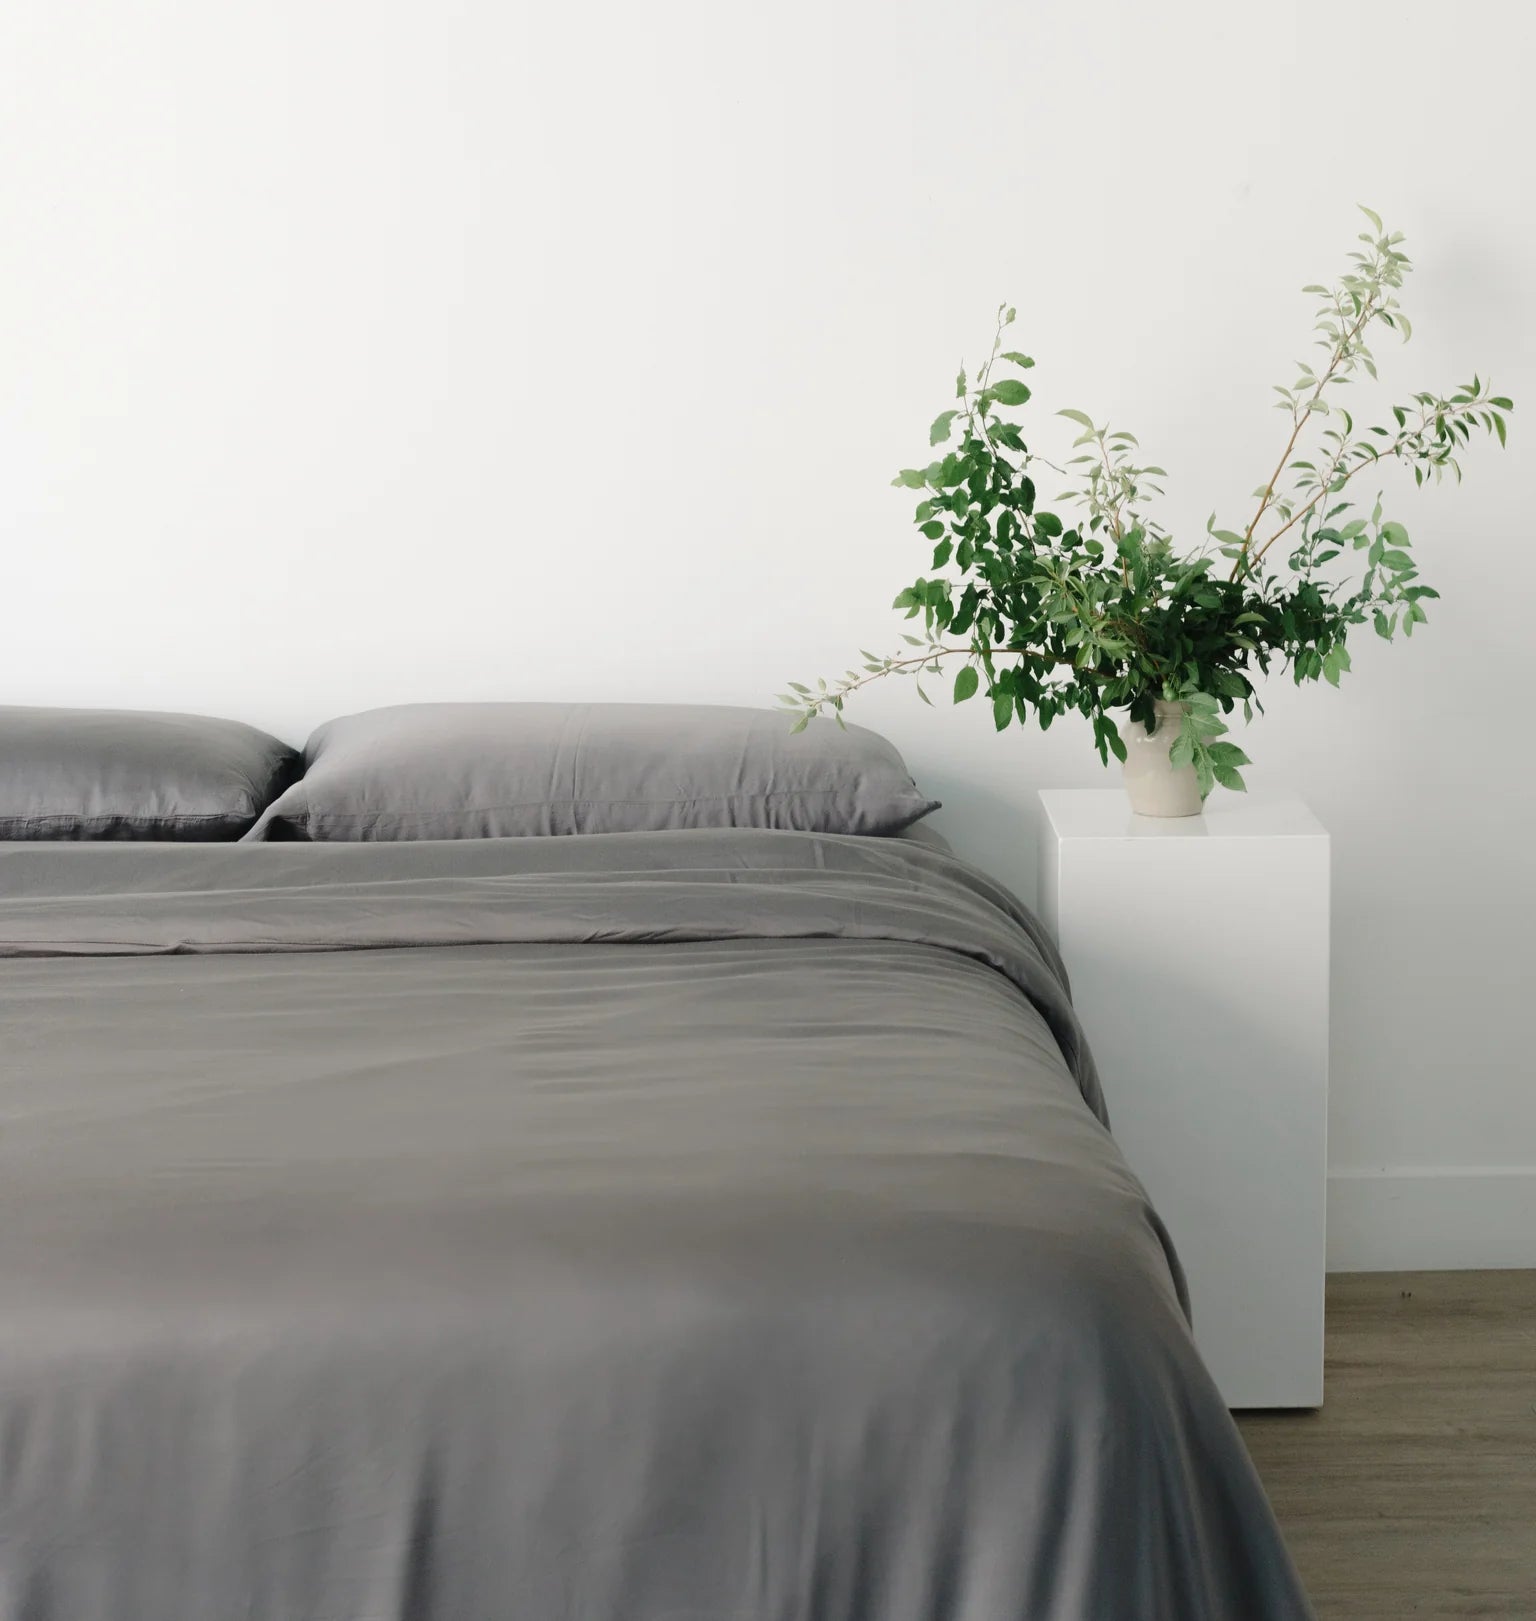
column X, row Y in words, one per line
column 499, row 770
column 131, row 774
column 692, row 1226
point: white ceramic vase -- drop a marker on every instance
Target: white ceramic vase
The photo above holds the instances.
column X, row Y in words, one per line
column 1155, row 786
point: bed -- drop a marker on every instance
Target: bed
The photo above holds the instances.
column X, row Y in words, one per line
column 694, row 1225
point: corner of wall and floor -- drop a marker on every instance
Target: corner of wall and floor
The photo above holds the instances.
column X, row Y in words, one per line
column 1431, row 1217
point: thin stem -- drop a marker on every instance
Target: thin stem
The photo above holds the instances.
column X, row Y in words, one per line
column 816, row 701
column 1341, row 348
column 897, row 665
column 1109, row 473
column 1329, row 487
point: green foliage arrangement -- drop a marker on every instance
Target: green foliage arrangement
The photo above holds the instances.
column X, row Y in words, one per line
column 1102, row 613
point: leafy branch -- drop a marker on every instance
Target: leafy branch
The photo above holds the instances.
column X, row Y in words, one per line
column 1104, row 615
column 1364, row 294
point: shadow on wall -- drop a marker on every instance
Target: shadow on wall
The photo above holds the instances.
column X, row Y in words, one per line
column 997, row 831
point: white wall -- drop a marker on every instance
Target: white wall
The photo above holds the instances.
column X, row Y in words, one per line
column 358, row 352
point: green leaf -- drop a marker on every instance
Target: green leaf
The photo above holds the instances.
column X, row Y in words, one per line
column 909, row 478
column 1335, row 662
column 966, row 683
column 1077, row 416
column 1018, row 359
column 1372, row 216
column 939, row 432
column 1229, row 777
column 960, row 385
column 932, row 529
column 1002, row 710
column 1010, row 391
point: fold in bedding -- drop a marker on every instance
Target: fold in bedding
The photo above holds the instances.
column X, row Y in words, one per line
column 702, row 1226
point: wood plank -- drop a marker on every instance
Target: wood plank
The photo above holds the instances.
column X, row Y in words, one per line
column 1413, row 1491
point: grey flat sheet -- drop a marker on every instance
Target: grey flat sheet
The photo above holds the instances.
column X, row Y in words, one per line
column 704, row 1226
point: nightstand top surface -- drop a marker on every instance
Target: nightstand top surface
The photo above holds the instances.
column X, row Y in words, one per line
column 1103, row 813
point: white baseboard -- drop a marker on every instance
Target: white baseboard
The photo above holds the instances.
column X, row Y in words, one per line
column 1431, row 1218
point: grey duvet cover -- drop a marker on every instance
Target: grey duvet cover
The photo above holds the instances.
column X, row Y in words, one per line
column 702, row 1226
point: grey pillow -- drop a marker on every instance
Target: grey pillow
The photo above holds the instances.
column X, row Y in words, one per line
column 126, row 774
column 469, row 771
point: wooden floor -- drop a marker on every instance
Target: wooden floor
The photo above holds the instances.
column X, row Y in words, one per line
column 1413, row 1491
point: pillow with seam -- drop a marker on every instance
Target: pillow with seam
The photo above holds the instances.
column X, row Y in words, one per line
column 495, row 770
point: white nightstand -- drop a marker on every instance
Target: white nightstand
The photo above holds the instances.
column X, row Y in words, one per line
column 1198, row 954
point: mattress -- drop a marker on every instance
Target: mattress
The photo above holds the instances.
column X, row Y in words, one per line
column 700, row 1226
